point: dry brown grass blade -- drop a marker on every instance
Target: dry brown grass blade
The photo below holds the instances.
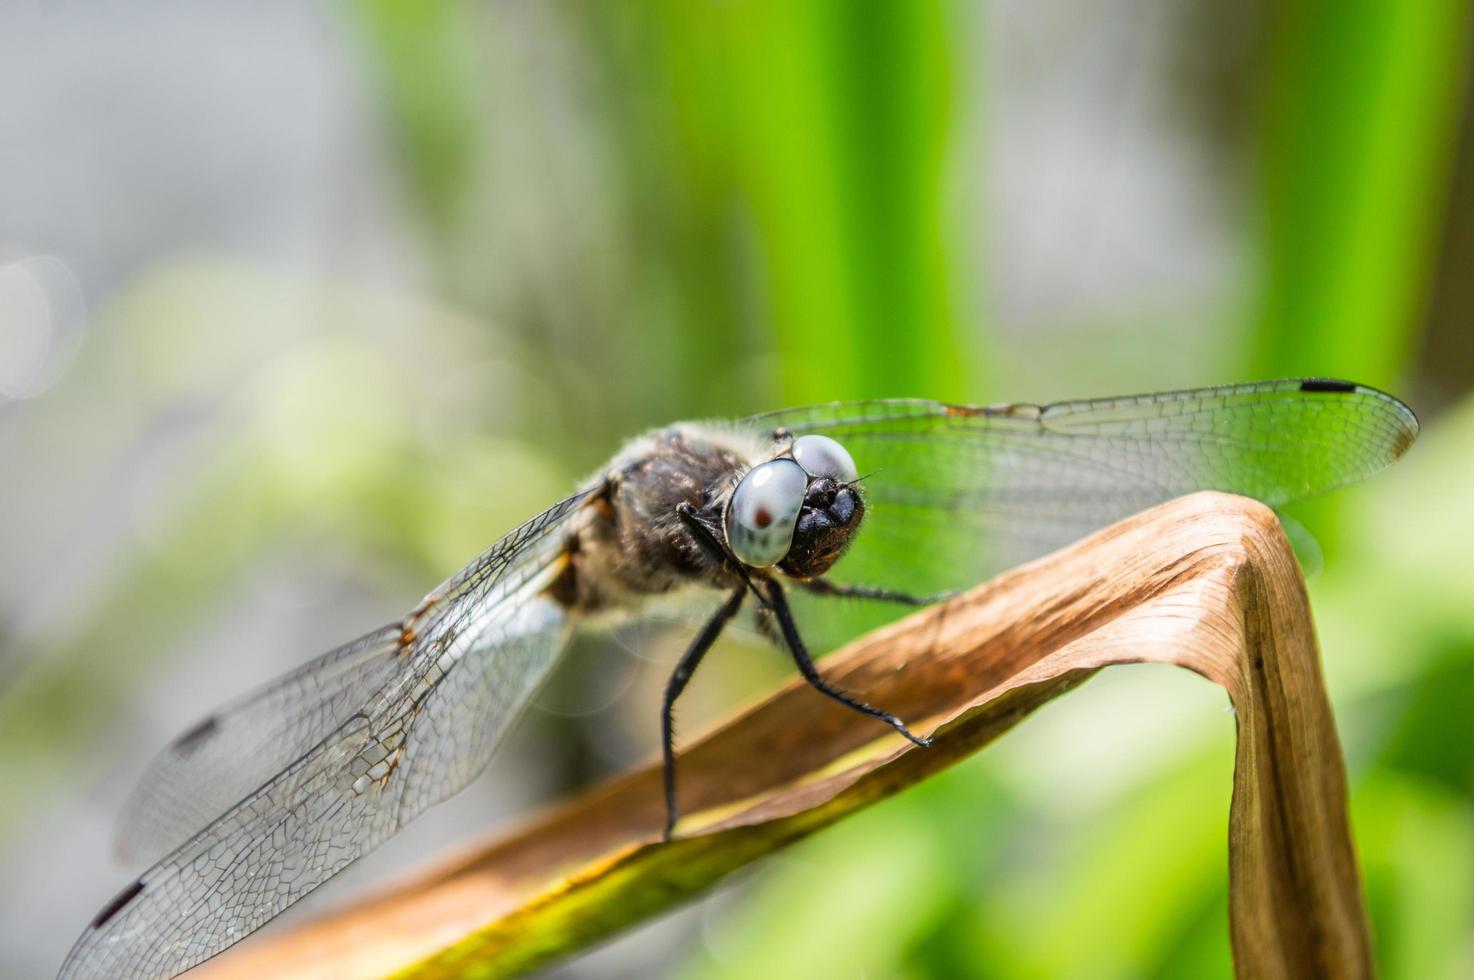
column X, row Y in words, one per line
column 1206, row 582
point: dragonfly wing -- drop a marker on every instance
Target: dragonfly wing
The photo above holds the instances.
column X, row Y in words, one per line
column 468, row 659
column 957, row 493
column 461, row 721
column 220, row 760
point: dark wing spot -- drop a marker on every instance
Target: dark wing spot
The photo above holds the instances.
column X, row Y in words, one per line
column 116, row 905
column 190, row 740
column 1330, row 385
column 762, row 518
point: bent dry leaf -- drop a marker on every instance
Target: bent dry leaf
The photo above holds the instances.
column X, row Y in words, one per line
column 1206, row 582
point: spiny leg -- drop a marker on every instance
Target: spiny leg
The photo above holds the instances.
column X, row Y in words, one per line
column 677, row 683
column 822, row 586
column 778, row 602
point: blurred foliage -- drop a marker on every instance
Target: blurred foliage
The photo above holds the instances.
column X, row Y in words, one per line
column 425, row 65
column 1361, row 105
column 630, row 213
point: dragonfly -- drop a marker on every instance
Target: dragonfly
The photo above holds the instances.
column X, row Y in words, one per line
column 897, row 501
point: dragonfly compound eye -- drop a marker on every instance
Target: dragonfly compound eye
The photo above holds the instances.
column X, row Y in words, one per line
column 763, row 511
column 822, row 456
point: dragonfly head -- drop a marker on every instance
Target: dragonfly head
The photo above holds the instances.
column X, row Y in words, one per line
column 830, row 515
column 797, row 511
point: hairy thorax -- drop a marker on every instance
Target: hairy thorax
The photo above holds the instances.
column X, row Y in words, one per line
column 629, row 544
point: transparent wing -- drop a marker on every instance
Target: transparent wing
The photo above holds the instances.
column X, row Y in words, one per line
column 442, row 687
column 957, row 493
column 218, row 761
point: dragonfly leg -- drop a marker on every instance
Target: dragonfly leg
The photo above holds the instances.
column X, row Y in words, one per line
column 677, row 683
column 714, row 545
column 767, row 626
column 778, row 602
column 822, row 586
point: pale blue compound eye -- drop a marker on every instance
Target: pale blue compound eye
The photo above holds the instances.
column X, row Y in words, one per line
column 822, row 456
column 763, row 511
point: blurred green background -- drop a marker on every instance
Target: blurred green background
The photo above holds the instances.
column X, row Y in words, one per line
column 301, row 305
